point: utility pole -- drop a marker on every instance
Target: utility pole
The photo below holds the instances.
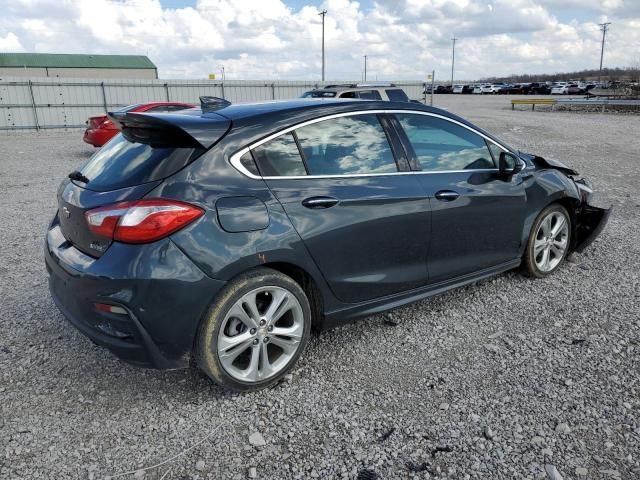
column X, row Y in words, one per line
column 223, row 78
column 323, row 13
column 453, row 58
column 433, row 82
column 603, row 27
column 365, row 68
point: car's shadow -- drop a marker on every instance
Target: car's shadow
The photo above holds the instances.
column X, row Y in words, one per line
column 95, row 366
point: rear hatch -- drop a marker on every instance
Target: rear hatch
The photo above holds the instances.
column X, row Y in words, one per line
column 150, row 148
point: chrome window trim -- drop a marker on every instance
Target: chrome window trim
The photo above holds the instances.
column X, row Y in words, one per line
column 235, row 158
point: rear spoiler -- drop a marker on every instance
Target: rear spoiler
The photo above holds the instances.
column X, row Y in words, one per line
column 163, row 130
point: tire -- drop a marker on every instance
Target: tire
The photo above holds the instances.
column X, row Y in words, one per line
column 241, row 309
column 550, row 241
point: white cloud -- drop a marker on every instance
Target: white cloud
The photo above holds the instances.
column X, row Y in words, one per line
column 268, row 39
column 10, row 43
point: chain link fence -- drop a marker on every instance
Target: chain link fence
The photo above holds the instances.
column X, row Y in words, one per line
column 45, row 103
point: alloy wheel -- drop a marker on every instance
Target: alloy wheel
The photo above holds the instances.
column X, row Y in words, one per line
column 551, row 241
column 260, row 334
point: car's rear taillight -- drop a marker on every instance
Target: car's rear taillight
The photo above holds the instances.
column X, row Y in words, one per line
column 141, row 221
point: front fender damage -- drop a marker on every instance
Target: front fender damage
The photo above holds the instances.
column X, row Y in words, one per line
column 590, row 221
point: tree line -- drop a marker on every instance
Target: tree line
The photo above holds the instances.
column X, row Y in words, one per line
column 611, row 74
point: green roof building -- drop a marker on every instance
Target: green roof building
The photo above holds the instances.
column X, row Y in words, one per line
column 76, row 65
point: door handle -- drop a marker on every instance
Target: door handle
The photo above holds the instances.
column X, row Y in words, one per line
column 319, row 202
column 447, row 195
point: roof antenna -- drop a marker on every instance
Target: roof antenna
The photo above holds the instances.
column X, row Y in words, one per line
column 211, row 104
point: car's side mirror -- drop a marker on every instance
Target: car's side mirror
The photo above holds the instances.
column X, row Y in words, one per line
column 509, row 164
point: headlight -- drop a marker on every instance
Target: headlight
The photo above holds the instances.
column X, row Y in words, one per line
column 584, row 189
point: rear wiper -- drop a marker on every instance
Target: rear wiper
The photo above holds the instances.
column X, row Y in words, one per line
column 76, row 175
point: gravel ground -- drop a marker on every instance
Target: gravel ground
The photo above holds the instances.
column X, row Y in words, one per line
column 509, row 378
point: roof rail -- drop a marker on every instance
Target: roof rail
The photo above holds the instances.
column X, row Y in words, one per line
column 376, row 84
column 341, row 85
column 211, row 104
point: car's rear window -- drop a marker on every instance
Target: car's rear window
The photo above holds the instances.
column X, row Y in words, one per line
column 122, row 163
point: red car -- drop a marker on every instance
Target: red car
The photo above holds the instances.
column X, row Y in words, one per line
column 100, row 129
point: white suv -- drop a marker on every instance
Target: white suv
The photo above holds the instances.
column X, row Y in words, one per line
column 366, row 91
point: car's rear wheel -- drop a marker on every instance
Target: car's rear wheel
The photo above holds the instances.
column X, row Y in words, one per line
column 549, row 241
column 255, row 331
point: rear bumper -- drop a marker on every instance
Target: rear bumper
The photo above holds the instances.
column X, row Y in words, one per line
column 163, row 293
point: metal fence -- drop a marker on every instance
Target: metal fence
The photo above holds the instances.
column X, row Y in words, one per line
column 40, row 103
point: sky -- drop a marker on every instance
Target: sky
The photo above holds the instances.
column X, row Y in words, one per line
column 281, row 39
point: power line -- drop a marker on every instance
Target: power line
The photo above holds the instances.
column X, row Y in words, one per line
column 603, row 27
column 323, row 13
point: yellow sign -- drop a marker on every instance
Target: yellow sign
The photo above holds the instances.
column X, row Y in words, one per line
column 429, row 77
column 212, row 76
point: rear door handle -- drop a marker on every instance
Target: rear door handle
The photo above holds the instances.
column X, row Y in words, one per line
column 447, row 195
column 319, row 202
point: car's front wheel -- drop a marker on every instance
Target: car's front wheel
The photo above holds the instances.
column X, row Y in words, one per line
column 255, row 331
column 549, row 241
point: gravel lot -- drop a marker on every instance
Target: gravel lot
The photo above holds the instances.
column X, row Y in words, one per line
column 509, row 378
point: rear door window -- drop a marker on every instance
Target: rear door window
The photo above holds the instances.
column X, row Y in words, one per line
column 122, row 163
column 345, row 146
column 441, row 145
column 397, row 95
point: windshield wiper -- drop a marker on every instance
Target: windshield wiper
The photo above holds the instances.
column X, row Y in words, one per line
column 76, row 175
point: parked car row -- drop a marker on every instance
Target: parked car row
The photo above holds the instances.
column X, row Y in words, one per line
column 572, row 87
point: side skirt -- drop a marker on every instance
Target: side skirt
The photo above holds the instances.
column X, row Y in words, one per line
column 372, row 307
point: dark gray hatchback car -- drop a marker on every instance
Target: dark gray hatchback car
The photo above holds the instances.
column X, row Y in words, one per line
column 221, row 235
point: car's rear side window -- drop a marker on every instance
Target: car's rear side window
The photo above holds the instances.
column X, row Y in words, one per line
column 249, row 163
column 279, row 157
column 441, row 145
column 354, row 144
column 369, row 95
column 397, row 95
